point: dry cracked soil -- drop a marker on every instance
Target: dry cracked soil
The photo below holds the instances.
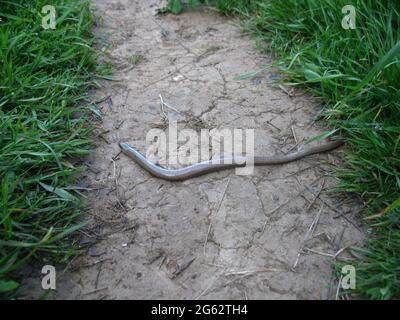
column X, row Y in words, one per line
column 269, row 235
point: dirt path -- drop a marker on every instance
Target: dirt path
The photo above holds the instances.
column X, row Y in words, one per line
column 149, row 237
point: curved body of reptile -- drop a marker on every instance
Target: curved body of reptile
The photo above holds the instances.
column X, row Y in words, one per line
column 218, row 164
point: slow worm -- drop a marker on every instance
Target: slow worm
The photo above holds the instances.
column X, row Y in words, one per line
column 218, row 164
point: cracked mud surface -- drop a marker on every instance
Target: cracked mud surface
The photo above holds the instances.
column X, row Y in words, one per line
column 218, row 236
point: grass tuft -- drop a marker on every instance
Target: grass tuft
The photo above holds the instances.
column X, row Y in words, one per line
column 44, row 75
column 136, row 58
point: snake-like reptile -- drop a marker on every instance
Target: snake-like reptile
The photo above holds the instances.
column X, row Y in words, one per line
column 218, row 164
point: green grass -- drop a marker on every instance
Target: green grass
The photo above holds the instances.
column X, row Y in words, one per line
column 136, row 58
column 176, row 6
column 44, row 75
column 214, row 48
column 356, row 73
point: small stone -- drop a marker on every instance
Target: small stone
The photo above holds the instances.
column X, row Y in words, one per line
column 178, row 78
